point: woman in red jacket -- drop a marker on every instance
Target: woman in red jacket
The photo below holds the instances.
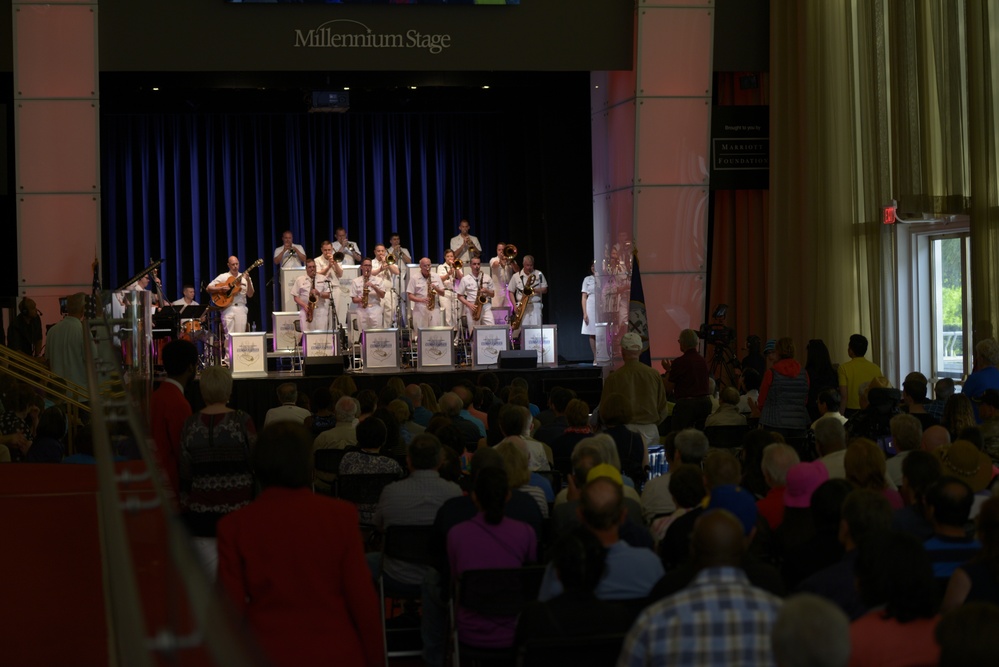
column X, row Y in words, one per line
column 293, row 563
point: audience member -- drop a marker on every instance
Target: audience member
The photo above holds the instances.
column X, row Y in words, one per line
column 977, row 580
column 515, row 421
column 19, row 421
column 827, row 406
column 465, row 393
column 988, row 411
column 727, row 413
column 754, row 356
column 920, row 470
column 958, row 415
column 949, row 501
column 408, row 428
column 942, row 390
column 830, row 442
column 821, row 376
column 691, row 446
column 687, row 380
column 288, row 410
column 413, row 501
column 344, row 434
column 864, row 465
column 579, row 560
column 64, row 345
column 933, row 438
column 686, row 487
column 25, row 331
column 906, row 436
column 855, row 373
column 214, row 470
column 914, row 389
column 719, row 610
column 169, row 408
column 641, row 387
column 577, row 428
column 784, row 394
column 323, row 417
column 429, row 398
column 879, row 403
column 490, row 540
column 970, row 465
column 367, row 459
column 631, row 571
column 896, row 583
column 754, row 442
column 985, row 375
column 777, row 460
column 451, row 405
column 421, row 415
column 48, row 446
column 368, row 401
column 865, row 514
column 515, row 462
column 394, row 445
column 823, row 548
column 750, row 386
column 615, row 414
column 797, row 527
column 811, row 632
column 553, row 420
column 345, row 385
column 297, row 605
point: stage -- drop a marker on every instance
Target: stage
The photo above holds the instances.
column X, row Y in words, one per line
column 257, row 395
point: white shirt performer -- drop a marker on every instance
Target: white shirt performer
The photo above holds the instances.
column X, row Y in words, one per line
column 471, row 286
column 187, row 299
column 532, row 315
column 369, row 311
column 450, row 276
column 464, row 245
column 233, row 316
column 290, row 254
column 419, row 291
column 588, row 304
column 389, row 273
column 326, row 266
column 301, row 290
column 502, row 270
column 351, row 255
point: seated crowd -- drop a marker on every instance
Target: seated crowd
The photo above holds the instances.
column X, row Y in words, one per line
column 845, row 523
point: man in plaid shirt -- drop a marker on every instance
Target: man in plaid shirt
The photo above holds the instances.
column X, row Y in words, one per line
column 719, row 619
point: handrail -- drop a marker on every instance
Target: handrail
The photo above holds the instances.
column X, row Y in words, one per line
column 115, row 413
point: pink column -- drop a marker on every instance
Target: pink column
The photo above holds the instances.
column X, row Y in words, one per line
column 651, row 129
column 56, row 138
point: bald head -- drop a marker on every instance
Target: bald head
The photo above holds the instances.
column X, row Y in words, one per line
column 718, row 540
column 601, row 505
column 934, row 437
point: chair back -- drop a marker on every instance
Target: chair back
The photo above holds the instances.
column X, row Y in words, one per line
column 554, row 478
column 363, row 488
column 409, row 543
column 499, row 592
column 726, row 437
column 328, row 460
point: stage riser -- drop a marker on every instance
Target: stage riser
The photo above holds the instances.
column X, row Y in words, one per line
column 258, row 395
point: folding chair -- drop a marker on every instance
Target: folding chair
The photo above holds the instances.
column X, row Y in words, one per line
column 411, row 544
column 726, row 437
column 363, row 489
column 499, row 593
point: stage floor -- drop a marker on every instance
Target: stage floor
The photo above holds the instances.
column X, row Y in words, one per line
column 258, row 395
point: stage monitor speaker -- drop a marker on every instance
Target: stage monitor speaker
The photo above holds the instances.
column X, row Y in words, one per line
column 323, row 366
column 518, row 359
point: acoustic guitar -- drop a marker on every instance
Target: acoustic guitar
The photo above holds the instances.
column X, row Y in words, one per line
column 233, row 286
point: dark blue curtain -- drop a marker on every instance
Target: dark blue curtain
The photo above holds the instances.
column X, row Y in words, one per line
column 194, row 188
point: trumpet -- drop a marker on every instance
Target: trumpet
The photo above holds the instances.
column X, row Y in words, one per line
column 391, row 260
column 338, row 257
column 509, row 251
column 457, row 264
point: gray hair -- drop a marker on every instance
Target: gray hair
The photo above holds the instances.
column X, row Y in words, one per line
column 451, row 404
column 346, row 409
column 688, row 339
column 810, row 631
column 216, row 384
column 587, row 448
column 830, row 435
column 987, row 350
column 287, row 392
column 692, row 445
column 906, row 432
column 609, row 449
column 777, row 460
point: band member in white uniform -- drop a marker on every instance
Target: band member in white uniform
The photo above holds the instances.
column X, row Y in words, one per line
column 402, row 255
column 326, row 266
column 351, row 254
column 502, row 270
column 589, row 305
column 533, row 313
column 369, row 312
column 187, row 299
column 471, row 286
column 234, row 316
column 390, row 274
column 419, row 290
column 450, row 276
column 290, row 254
column 309, row 284
column 465, row 245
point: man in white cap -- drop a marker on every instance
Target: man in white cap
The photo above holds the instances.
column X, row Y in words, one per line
column 641, row 387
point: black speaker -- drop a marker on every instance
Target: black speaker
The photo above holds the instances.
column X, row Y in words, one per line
column 322, row 366
column 518, row 359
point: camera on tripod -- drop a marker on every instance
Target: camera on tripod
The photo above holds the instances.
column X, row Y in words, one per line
column 716, row 333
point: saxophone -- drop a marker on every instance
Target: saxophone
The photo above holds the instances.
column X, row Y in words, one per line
column 311, row 308
column 431, row 294
column 364, row 295
column 480, row 300
column 528, row 292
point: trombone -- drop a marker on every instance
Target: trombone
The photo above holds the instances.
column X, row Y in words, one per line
column 509, row 251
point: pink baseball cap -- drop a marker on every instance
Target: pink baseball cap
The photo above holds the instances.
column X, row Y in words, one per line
column 802, row 480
